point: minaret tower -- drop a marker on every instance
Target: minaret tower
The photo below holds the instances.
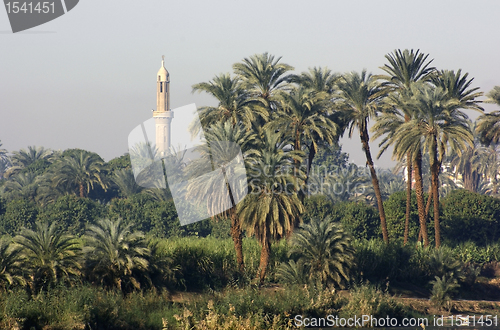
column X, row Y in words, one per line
column 163, row 115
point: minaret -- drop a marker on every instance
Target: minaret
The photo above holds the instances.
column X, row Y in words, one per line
column 163, row 115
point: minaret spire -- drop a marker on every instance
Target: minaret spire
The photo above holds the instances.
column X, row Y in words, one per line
column 163, row 114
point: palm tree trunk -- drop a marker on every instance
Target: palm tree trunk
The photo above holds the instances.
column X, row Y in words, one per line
column 427, row 210
column 366, row 147
column 264, row 259
column 312, row 153
column 408, row 197
column 237, row 237
column 236, row 233
column 435, row 193
column 420, row 197
column 428, row 205
column 82, row 191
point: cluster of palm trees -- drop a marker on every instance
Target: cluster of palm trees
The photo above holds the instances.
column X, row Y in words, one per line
column 42, row 175
column 109, row 254
column 418, row 111
column 281, row 120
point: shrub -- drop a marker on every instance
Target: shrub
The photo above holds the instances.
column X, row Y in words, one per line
column 156, row 218
column 395, row 212
column 380, row 262
column 85, row 307
column 358, row 218
column 317, row 207
column 443, row 289
column 368, row 300
column 324, row 251
column 470, row 216
column 73, row 214
column 18, row 213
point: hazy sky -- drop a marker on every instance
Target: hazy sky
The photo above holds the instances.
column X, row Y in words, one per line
column 86, row 79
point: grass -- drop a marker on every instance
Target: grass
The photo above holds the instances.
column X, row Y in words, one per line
column 221, row 298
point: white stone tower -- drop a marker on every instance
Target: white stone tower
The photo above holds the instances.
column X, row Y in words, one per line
column 163, row 115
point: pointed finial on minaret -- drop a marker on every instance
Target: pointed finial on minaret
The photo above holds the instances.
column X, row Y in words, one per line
column 163, row 60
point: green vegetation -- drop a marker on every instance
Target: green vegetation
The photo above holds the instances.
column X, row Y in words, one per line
column 83, row 246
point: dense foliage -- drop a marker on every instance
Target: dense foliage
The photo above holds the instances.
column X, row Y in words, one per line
column 73, row 224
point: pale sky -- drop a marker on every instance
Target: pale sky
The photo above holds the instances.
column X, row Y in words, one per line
column 86, row 79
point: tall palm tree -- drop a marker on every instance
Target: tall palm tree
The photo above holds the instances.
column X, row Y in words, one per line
column 303, row 115
column 11, row 264
column 79, row 172
column 324, row 248
column 360, row 98
column 404, row 69
column 437, row 123
column 488, row 125
column 262, row 76
column 116, row 256
column 272, row 207
column 457, row 87
column 389, row 123
column 234, row 105
column 223, row 145
column 50, row 255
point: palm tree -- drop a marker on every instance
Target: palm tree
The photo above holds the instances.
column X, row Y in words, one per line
column 234, row 105
column 325, row 250
column 404, row 69
column 488, row 165
column 115, row 254
column 469, row 163
column 488, row 125
column 303, row 115
column 272, row 207
column 223, row 146
column 4, row 167
column 79, row 172
column 50, row 255
column 126, row 183
column 22, row 185
column 457, row 87
column 3, row 152
column 436, row 124
column 359, row 99
column 24, row 158
column 292, row 272
column 262, row 77
column 317, row 79
column 11, row 264
column 4, row 161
